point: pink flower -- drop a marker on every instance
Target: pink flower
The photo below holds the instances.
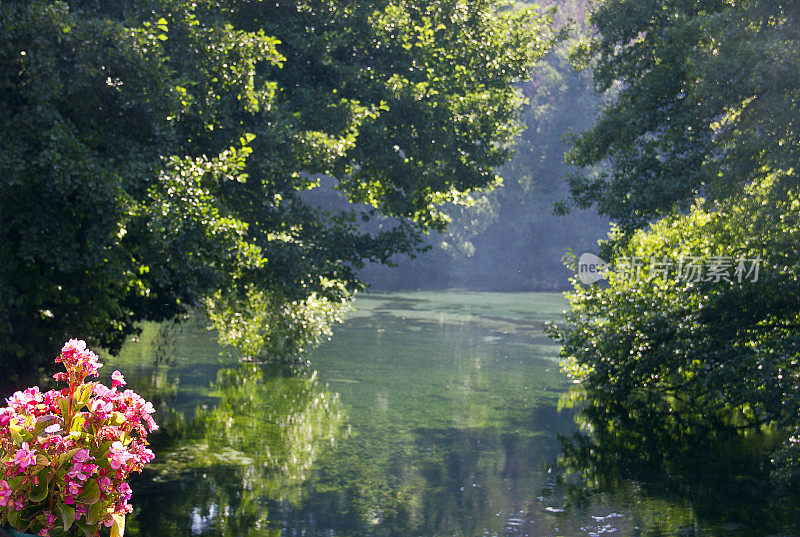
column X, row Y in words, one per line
column 108, row 432
column 73, row 347
column 118, row 455
column 117, row 379
column 82, row 471
column 78, row 360
column 49, row 525
column 6, row 415
column 101, row 391
column 25, row 456
column 5, row 493
column 77, row 472
column 101, row 409
column 91, row 363
column 80, row 511
column 151, row 424
column 145, row 456
column 90, row 468
column 125, row 491
column 51, row 398
column 82, row 455
column 105, row 483
column 23, row 400
column 47, row 411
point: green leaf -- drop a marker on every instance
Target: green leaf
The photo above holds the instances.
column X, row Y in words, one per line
column 13, row 518
column 41, row 423
column 84, row 393
column 77, row 423
column 16, row 434
column 90, row 494
column 67, row 515
column 87, row 530
column 29, row 513
column 118, row 418
column 67, row 456
column 97, row 513
column 63, row 405
column 39, row 492
column 79, row 437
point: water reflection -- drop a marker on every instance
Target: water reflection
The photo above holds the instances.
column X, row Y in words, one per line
column 220, row 471
column 673, row 478
column 445, row 423
column 454, row 424
column 465, row 482
column 450, row 425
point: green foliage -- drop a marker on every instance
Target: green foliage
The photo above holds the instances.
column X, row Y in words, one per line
column 698, row 135
column 154, row 151
column 702, row 101
column 701, row 358
column 675, row 482
column 508, row 238
column 270, row 324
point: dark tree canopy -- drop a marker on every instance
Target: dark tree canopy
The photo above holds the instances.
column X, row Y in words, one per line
column 153, row 152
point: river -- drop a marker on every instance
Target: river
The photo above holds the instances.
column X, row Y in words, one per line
column 427, row 414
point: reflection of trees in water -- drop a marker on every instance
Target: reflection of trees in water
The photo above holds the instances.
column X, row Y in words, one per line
column 217, row 471
column 674, row 476
column 425, row 482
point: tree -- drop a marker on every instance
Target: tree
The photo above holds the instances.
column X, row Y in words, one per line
column 669, row 352
column 154, row 151
column 509, row 238
column 697, row 154
column 703, row 103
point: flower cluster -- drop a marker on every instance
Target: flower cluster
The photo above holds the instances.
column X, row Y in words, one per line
column 65, row 455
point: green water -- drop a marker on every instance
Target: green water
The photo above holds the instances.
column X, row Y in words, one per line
column 426, row 414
